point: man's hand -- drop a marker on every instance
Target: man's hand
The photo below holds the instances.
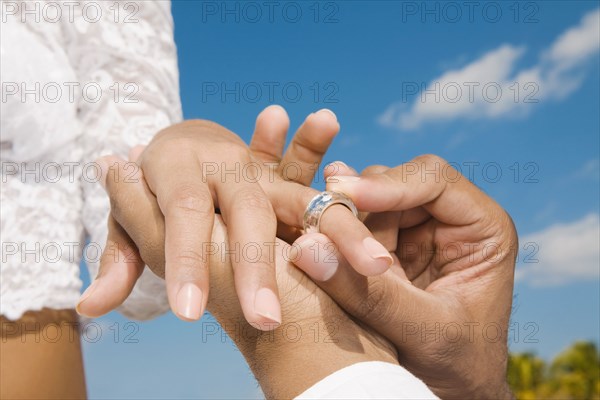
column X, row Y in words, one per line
column 446, row 301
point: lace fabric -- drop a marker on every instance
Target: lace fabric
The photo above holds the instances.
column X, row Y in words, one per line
column 119, row 86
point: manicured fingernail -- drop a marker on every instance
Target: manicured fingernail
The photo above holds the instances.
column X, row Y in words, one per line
column 342, row 178
column 328, row 111
column 189, row 301
column 86, row 294
column 295, row 252
column 266, row 304
column 336, row 164
column 320, row 266
column 378, row 252
column 275, row 106
column 103, row 165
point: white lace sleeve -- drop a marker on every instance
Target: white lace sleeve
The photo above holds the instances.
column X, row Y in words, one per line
column 128, row 61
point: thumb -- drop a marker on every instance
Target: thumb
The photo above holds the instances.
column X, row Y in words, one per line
column 120, row 268
column 120, row 264
column 388, row 303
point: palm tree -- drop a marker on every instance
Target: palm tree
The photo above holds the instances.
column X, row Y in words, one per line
column 573, row 374
column 525, row 374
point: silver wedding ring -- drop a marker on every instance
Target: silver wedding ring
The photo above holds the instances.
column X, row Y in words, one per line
column 320, row 203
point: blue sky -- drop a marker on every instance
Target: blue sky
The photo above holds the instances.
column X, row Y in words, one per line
column 362, row 64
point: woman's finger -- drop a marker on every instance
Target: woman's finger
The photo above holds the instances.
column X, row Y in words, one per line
column 135, row 209
column 338, row 168
column 119, row 269
column 136, row 152
column 301, row 160
column 374, row 170
column 251, row 226
column 187, row 205
column 355, row 241
column 268, row 141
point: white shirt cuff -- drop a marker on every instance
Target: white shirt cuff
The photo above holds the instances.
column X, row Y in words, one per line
column 369, row 380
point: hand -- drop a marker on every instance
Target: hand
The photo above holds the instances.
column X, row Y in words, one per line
column 316, row 338
column 445, row 303
column 196, row 166
column 175, row 166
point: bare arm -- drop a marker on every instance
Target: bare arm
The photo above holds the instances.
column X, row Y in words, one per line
column 41, row 356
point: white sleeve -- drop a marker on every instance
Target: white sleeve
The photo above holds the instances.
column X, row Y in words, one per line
column 369, row 380
column 130, row 56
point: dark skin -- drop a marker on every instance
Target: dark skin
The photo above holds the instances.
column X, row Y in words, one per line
column 432, row 284
column 445, row 303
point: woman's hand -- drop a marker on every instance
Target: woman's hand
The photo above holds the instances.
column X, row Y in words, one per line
column 446, row 301
column 193, row 167
column 316, row 338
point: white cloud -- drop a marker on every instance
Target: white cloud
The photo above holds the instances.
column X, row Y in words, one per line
column 578, row 43
column 491, row 87
column 589, row 170
column 566, row 253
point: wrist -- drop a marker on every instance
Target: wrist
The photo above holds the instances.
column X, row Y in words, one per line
column 293, row 357
column 316, row 338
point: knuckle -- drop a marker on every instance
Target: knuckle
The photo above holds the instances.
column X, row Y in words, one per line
column 508, row 226
column 306, row 194
column 374, row 170
column 174, row 145
column 430, row 160
column 305, row 149
column 190, row 199
column 254, row 200
column 374, row 307
column 240, row 153
column 191, row 260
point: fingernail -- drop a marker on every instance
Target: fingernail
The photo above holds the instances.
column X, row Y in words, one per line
column 86, row 294
column 379, row 253
column 276, row 106
column 295, row 252
column 266, row 304
column 103, row 165
column 333, row 165
column 320, row 266
column 328, row 111
column 342, row 178
column 302, row 243
column 189, row 301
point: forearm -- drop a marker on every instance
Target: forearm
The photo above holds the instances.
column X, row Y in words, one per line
column 34, row 366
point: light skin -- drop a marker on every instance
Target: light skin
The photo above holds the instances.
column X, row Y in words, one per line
column 425, row 223
column 186, row 168
column 446, row 301
column 41, row 356
column 38, row 368
column 316, row 337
